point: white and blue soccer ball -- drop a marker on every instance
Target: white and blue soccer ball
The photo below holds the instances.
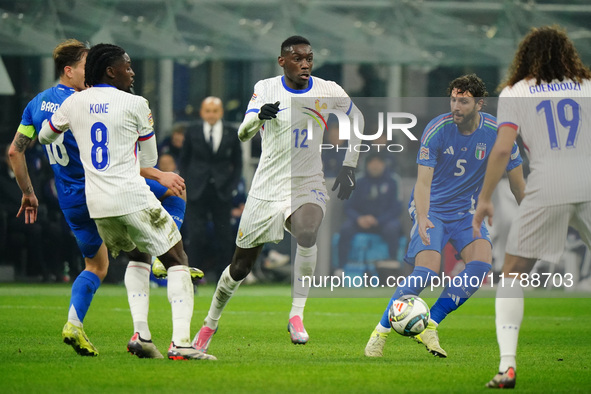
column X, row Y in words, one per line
column 409, row 315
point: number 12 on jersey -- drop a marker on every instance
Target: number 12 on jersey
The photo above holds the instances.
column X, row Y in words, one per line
column 569, row 116
column 304, row 138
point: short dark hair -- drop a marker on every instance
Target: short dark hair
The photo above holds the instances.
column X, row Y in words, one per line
column 546, row 54
column 291, row 41
column 468, row 83
column 68, row 53
column 99, row 58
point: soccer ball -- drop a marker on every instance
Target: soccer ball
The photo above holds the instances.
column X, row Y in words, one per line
column 409, row 315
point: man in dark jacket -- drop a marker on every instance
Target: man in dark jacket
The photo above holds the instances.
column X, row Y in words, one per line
column 211, row 163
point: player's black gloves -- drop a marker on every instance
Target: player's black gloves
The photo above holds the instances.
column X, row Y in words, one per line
column 346, row 179
column 269, row 111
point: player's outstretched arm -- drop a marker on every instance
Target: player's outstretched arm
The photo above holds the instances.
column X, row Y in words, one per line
column 422, row 197
column 346, row 182
column 484, row 209
column 254, row 120
column 497, row 162
column 174, row 182
column 357, row 122
column 48, row 134
column 269, row 111
column 16, row 153
column 517, row 183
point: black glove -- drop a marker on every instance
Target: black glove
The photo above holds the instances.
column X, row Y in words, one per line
column 269, row 111
column 346, row 179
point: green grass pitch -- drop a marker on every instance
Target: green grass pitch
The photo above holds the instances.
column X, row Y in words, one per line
column 255, row 354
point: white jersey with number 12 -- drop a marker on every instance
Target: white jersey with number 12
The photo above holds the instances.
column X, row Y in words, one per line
column 290, row 154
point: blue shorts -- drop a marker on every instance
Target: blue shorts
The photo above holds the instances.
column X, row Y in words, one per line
column 458, row 232
column 84, row 229
column 175, row 206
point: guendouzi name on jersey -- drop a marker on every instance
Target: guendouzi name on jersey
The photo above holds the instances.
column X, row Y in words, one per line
column 554, row 121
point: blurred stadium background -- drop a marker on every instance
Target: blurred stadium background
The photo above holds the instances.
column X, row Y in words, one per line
column 185, row 50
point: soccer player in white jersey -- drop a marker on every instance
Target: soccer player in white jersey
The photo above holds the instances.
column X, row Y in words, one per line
column 108, row 123
column 546, row 99
column 288, row 189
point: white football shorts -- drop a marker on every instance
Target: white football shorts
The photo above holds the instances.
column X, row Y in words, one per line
column 540, row 232
column 151, row 229
column 264, row 221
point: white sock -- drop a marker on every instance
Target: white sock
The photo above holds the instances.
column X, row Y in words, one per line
column 509, row 314
column 383, row 330
column 137, row 283
column 180, row 296
column 304, row 265
column 73, row 317
column 223, row 292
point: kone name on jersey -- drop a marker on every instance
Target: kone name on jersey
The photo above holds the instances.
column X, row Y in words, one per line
column 99, row 108
column 49, row 106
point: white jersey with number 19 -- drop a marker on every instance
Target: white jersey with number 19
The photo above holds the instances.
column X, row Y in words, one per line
column 554, row 121
column 107, row 124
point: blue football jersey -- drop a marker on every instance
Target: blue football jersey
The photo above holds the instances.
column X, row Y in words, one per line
column 459, row 163
column 63, row 154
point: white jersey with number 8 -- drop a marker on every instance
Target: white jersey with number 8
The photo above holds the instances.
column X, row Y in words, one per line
column 108, row 124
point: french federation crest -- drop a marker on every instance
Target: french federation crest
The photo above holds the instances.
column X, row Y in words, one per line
column 480, row 151
column 319, row 107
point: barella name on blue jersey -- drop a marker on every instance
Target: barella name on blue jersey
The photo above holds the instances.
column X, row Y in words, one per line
column 49, row 106
column 555, row 87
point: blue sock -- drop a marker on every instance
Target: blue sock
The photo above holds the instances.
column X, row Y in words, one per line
column 83, row 290
column 413, row 285
column 453, row 296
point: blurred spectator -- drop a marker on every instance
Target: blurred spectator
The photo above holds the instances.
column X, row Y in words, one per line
column 173, row 144
column 379, row 146
column 211, row 163
column 167, row 163
column 374, row 207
